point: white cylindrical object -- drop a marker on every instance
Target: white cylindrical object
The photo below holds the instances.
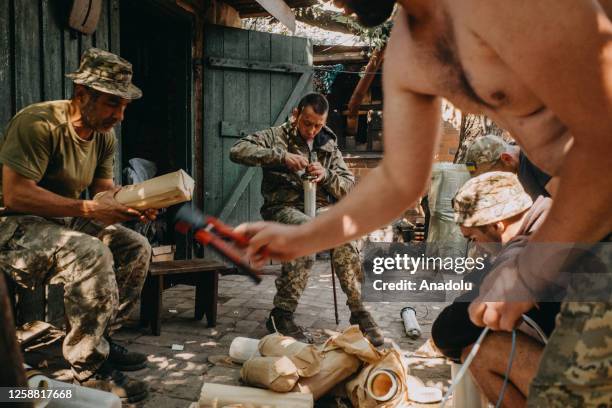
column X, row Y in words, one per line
column 466, row 394
column 220, row 395
column 243, row 348
column 411, row 325
column 382, row 385
column 81, row 397
column 310, row 199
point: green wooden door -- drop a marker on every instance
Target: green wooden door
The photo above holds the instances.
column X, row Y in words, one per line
column 252, row 80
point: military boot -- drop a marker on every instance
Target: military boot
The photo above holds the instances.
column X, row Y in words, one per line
column 284, row 324
column 368, row 327
column 111, row 380
column 122, row 359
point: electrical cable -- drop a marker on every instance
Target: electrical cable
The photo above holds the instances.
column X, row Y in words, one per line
column 507, row 375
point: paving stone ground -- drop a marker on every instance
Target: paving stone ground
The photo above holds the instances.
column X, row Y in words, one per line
column 176, row 377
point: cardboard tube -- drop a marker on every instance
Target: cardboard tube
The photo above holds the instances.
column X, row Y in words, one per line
column 218, row 395
column 275, row 373
column 242, row 348
column 306, row 357
column 382, row 385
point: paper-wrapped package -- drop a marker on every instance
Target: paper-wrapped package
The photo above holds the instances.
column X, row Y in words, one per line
column 306, row 357
column 158, row 192
column 243, row 348
column 336, row 367
column 275, row 373
column 382, row 384
column 352, row 341
column 218, row 395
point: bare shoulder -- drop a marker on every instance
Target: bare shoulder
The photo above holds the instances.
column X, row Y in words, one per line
column 409, row 61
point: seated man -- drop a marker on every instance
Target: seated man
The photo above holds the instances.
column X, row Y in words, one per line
column 51, row 152
column 305, row 144
column 494, row 211
column 492, row 153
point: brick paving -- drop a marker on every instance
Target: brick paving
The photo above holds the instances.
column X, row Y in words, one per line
column 176, row 377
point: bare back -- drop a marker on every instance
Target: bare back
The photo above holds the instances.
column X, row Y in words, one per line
column 444, row 57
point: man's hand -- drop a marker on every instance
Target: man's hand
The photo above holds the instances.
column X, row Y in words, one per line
column 295, row 162
column 316, row 169
column 148, row 215
column 271, row 240
column 105, row 209
column 498, row 315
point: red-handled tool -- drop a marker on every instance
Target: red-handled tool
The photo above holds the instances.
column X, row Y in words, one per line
column 219, row 236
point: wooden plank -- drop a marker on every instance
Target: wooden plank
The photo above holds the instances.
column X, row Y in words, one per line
column 71, row 59
column 101, row 34
column 52, row 36
column 27, row 53
column 114, row 46
column 242, row 129
column 260, row 49
column 86, row 42
column 235, row 108
column 281, row 11
column 282, row 84
column 6, row 73
column 213, row 115
column 294, row 97
column 255, row 65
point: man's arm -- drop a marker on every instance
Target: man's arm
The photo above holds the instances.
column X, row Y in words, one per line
column 258, row 149
column 23, row 195
column 338, row 179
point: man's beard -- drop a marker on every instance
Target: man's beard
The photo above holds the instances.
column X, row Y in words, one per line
column 92, row 122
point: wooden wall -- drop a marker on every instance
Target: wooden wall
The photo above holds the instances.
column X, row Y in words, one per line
column 36, row 49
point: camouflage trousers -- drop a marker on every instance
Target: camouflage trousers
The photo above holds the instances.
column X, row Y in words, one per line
column 102, row 270
column 294, row 276
column 576, row 366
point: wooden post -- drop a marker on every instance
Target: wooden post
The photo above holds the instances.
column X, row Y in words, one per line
column 352, row 118
column 11, row 360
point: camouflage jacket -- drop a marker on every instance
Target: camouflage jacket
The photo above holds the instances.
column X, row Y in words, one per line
column 282, row 187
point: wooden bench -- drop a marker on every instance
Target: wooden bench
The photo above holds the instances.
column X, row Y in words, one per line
column 201, row 273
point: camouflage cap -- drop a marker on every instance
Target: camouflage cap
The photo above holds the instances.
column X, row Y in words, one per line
column 106, row 72
column 489, row 198
column 486, row 149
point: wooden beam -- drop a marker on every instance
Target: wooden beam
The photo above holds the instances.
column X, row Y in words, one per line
column 341, row 57
column 247, row 65
column 241, row 129
column 281, row 11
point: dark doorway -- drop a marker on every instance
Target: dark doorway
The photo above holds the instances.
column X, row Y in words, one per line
column 157, row 42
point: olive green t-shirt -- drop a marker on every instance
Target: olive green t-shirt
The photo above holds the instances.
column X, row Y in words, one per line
column 41, row 144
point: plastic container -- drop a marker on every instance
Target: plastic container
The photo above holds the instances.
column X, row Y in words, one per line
column 243, row 348
column 411, row 325
column 81, row 397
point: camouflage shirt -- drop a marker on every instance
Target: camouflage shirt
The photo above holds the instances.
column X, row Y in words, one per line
column 282, row 187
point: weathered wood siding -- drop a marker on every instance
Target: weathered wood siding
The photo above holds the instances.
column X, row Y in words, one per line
column 36, row 49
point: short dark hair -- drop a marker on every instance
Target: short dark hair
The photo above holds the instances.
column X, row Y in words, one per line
column 371, row 13
column 318, row 103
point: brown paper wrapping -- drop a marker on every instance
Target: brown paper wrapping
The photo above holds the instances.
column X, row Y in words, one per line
column 306, row 357
column 353, row 342
column 158, row 192
column 219, row 395
column 336, row 366
column 275, row 373
column 391, row 361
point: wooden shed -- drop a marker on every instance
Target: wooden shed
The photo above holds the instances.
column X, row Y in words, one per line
column 204, row 86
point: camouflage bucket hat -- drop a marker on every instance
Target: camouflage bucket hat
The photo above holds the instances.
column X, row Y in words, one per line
column 486, row 149
column 106, row 72
column 489, row 198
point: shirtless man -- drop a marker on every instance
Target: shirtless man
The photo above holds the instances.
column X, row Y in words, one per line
column 542, row 70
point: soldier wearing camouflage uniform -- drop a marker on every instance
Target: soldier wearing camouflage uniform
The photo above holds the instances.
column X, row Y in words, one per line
column 284, row 153
column 495, row 213
column 52, row 152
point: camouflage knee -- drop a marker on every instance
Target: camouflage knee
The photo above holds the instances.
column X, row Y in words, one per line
column 292, row 282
